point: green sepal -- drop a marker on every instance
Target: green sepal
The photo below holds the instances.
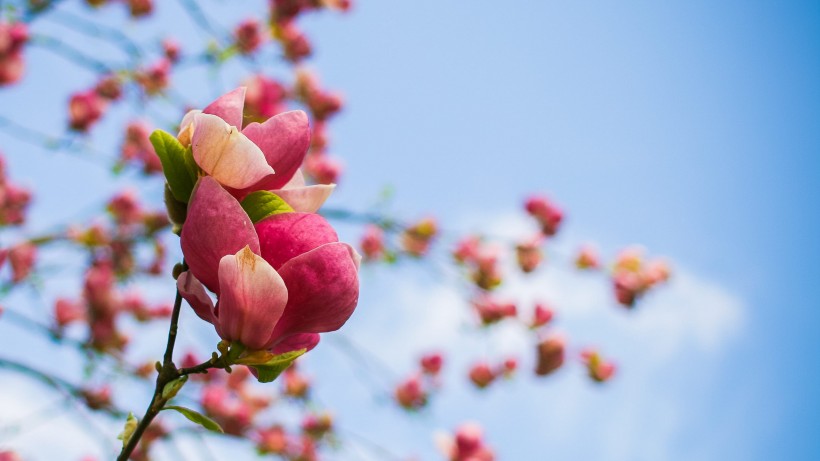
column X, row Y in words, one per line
column 269, row 366
column 261, row 204
column 197, row 417
column 178, row 164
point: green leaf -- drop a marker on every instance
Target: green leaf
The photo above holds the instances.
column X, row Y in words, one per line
column 268, row 367
column 197, row 417
column 261, row 204
column 177, row 163
column 131, row 424
column 171, row 389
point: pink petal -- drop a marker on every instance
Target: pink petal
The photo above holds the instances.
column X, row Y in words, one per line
column 229, row 107
column 186, row 127
column 295, row 342
column 284, row 139
column 252, row 299
column 192, row 290
column 323, row 289
column 216, row 226
column 287, row 235
column 226, row 154
column 307, row 199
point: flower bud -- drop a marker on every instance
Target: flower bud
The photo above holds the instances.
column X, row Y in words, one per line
column 410, row 394
column 550, row 355
column 481, row 375
column 548, row 215
column 541, row 316
column 431, row 363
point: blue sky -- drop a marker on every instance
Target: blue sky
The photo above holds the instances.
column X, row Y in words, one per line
column 689, row 128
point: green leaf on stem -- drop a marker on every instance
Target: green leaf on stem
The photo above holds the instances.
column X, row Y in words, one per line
column 261, row 204
column 128, row 430
column 178, row 164
column 171, row 389
column 197, row 417
column 268, row 366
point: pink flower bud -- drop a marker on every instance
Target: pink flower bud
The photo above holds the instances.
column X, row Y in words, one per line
column 317, row 426
column 14, row 201
column 550, row 355
column 431, row 363
column 656, row 272
column 7, row 455
column 137, row 148
column 482, row 375
column 272, row 440
column 410, row 394
column 140, row 8
column 467, row 249
column 248, row 36
column 628, row 287
column 323, row 168
column 587, row 258
column 125, row 208
column 295, row 44
column 509, row 367
column 12, row 67
column 67, row 311
column 295, row 383
column 155, row 78
column 21, row 258
column 548, row 215
column 264, row 98
column 12, row 38
column 372, row 244
column 468, row 445
column 491, row 310
column 597, row 368
column 109, row 87
column 529, row 255
column 171, row 50
column 541, row 316
column 97, row 398
column 84, row 109
column 416, row 239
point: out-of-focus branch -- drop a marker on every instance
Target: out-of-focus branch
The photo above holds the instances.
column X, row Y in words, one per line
column 59, row 47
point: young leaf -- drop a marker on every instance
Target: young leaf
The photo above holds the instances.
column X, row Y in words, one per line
column 196, row 417
column 180, row 171
column 171, row 389
column 128, row 430
column 261, row 204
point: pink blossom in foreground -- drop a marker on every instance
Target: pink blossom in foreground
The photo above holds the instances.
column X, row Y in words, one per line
column 278, row 283
column 262, row 156
column 548, row 215
column 598, row 369
column 467, row 444
column 550, row 353
column 372, row 244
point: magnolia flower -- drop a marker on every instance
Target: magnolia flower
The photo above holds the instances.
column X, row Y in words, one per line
column 262, row 156
column 278, row 283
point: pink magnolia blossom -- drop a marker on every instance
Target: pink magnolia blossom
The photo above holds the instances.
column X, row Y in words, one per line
column 295, row 384
column 109, row 87
column 509, row 367
column 137, row 148
column 171, row 50
column 490, row 310
column 272, row 440
column 67, row 311
column 529, row 255
column 416, row 239
column 279, row 282
column 264, row 156
column 7, row 455
column 155, row 78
